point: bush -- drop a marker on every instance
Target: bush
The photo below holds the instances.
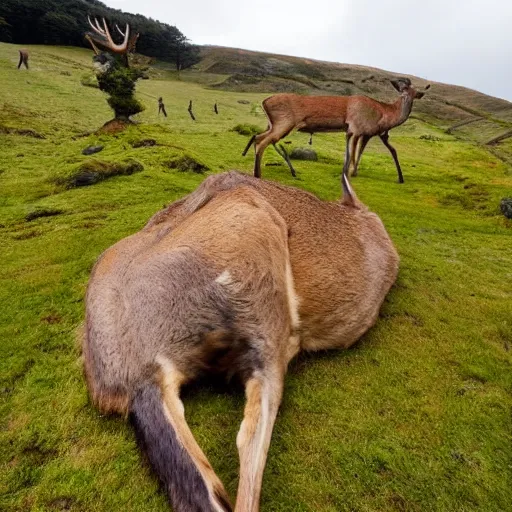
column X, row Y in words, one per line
column 247, row 129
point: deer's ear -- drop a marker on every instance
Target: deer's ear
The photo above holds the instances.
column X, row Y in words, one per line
column 419, row 95
column 395, row 84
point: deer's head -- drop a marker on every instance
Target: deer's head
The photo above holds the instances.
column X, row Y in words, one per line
column 404, row 87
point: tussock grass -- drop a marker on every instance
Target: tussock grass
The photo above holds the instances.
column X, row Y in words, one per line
column 247, row 129
column 416, row 417
column 94, row 171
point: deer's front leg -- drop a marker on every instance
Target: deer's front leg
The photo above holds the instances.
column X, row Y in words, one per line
column 263, row 392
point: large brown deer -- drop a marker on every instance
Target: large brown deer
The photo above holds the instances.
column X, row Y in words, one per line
column 236, row 278
column 360, row 116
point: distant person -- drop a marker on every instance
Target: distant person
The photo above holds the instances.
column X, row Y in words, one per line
column 23, row 58
column 161, row 107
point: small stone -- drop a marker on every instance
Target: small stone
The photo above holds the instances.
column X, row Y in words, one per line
column 91, row 150
column 506, row 207
column 304, row 154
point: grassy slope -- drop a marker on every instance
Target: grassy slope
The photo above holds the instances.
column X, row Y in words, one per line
column 416, row 417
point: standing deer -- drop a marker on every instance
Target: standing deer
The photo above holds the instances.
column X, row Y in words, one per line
column 235, row 278
column 361, row 117
column 23, row 58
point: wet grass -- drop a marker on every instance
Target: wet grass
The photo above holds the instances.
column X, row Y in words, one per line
column 416, row 417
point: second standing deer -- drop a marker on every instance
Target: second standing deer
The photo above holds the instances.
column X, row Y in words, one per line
column 360, row 116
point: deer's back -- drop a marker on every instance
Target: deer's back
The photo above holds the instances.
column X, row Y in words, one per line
column 162, row 293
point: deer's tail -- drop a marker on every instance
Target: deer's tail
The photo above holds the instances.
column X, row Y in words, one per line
column 249, row 144
column 156, row 413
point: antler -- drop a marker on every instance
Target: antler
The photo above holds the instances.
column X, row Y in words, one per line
column 106, row 38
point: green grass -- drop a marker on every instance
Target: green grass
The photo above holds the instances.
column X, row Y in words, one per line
column 416, row 417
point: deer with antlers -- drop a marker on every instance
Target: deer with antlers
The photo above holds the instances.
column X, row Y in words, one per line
column 102, row 37
column 235, row 278
column 360, row 117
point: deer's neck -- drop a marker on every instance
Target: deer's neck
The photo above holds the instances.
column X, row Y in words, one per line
column 400, row 111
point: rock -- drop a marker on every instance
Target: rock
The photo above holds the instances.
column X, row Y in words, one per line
column 506, row 207
column 144, row 143
column 304, row 154
column 91, row 150
column 187, row 163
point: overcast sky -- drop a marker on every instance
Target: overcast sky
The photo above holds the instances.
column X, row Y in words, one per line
column 463, row 42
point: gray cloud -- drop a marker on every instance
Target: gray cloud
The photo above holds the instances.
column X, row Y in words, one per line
column 466, row 43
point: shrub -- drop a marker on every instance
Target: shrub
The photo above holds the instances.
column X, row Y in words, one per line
column 247, row 129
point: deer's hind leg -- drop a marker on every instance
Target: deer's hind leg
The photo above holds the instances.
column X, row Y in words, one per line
column 362, row 141
column 273, row 135
column 263, row 393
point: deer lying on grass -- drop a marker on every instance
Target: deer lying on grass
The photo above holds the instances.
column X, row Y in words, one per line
column 237, row 277
column 361, row 117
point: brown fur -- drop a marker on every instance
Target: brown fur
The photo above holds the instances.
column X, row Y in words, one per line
column 361, row 117
column 236, row 277
column 23, row 58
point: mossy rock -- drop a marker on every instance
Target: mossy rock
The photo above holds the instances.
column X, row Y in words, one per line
column 94, row 171
column 304, row 154
column 246, row 129
column 188, row 163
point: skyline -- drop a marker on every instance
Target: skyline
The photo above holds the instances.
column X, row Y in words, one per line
column 439, row 42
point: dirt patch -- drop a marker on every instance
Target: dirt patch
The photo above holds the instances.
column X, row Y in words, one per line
column 27, row 235
column 115, row 126
column 52, row 318
column 21, row 131
column 144, row 143
column 42, row 212
column 62, row 503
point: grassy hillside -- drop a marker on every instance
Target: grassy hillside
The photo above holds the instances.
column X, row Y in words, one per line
column 416, row 417
column 445, row 105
